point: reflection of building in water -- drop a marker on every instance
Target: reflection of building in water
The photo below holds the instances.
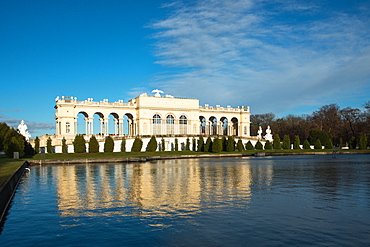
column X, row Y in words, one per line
column 154, row 188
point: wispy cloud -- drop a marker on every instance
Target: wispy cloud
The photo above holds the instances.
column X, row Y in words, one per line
column 279, row 54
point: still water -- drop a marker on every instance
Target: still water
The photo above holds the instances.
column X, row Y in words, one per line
column 259, row 201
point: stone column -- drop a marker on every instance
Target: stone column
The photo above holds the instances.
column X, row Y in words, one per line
column 106, row 126
column 116, row 126
column 121, row 126
column 91, row 126
column 87, row 125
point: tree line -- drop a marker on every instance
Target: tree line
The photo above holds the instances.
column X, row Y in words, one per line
column 12, row 141
column 217, row 145
column 347, row 127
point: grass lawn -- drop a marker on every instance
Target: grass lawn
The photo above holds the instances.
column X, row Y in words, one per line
column 8, row 167
column 66, row 156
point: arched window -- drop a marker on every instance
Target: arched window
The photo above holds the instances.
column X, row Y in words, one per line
column 183, row 125
column 170, row 123
column 68, row 127
column 157, row 124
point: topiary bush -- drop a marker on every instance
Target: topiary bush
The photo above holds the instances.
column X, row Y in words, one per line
column 37, row 145
column 286, row 142
column 276, row 143
column 268, row 145
column 108, row 144
column 93, row 145
column 296, row 142
column 216, row 145
column 152, row 145
column 200, row 144
column 79, row 144
column 208, row 145
column 362, row 144
column 137, row 145
column 249, row 146
column 306, row 144
column 318, row 144
column 123, row 145
column 230, row 144
column 64, row 146
column 187, row 146
column 259, row 145
column 239, row 145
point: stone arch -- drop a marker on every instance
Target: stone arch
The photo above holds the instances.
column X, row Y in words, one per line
column 83, row 123
column 224, row 126
column 98, row 124
column 213, row 126
column 113, row 124
column 202, row 127
column 130, row 128
column 234, row 126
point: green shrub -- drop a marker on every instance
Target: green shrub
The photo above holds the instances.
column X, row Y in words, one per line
column 28, row 149
column 259, row 145
column 208, row 145
column 328, row 144
column 9, row 134
column 49, row 148
column 176, row 144
column 187, row 146
column 13, row 146
column 286, row 142
column 268, row 145
column 352, row 143
column 276, row 143
column 37, row 145
column 224, row 143
column 64, row 146
column 362, row 144
column 249, row 146
column 93, row 145
column 123, row 145
column 318, row 144
column 240, row 145
column 200, row 144
column 137, row 145
column 194, row 145
column 296, row 142
column 152, row 145
column 163, row 145
column 230, row 144
column 108, row 144
column 217, row 145
column 306, row 144
column 323, row 136
column 79, row 144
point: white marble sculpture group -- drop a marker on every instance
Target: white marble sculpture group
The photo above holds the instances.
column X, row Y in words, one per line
column 268, row 136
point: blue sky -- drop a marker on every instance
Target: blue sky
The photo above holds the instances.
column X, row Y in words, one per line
column 280, row 56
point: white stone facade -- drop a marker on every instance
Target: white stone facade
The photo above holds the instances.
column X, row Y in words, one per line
column 146, row 116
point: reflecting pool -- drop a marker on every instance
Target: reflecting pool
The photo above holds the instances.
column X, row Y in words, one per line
column 252, row 201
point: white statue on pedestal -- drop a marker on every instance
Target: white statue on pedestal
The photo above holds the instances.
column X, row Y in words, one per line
column 268, row 136
column 22, row 128
column 259, row 132
column 157, row 92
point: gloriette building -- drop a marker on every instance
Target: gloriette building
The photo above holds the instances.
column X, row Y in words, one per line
column 150, row 115
column 144, row 116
